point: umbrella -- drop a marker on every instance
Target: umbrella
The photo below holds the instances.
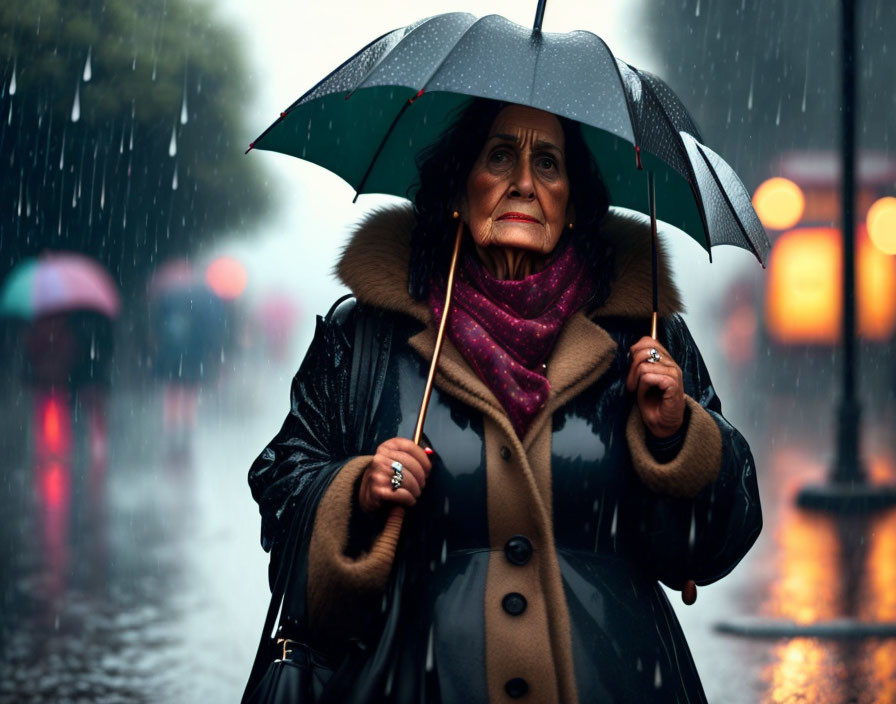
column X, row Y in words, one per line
column 58, row 282
column 367, row 119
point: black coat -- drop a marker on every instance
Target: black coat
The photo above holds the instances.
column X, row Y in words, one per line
column 465, row 600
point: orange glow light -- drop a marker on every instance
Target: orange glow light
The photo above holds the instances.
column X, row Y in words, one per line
column 881, row 223
column 803, row 301
column 227, row 277
column 779, row 203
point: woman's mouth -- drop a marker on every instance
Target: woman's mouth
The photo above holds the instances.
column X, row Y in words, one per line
column 518, row 217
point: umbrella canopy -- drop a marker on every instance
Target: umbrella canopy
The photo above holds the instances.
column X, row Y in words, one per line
column 56, row 283
column 367, row 120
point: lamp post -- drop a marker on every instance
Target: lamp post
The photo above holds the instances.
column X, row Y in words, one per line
column 847, row 489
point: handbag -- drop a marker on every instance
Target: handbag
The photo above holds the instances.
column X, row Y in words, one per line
column 290, row 671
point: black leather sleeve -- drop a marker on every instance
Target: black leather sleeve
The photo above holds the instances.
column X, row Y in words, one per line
column 294, row 470
column 703, row 538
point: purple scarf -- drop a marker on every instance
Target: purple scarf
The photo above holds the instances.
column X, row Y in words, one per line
column 506, row 330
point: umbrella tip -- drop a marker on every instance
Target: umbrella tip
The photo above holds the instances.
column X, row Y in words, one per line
column 251, row 147
column 539, row 16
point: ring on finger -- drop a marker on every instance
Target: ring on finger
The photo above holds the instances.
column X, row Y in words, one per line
column 653, row 356
column 397, row 475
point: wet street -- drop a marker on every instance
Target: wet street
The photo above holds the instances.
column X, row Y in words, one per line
column 144, row 581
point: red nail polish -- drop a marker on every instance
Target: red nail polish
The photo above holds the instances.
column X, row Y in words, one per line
column 428, row 450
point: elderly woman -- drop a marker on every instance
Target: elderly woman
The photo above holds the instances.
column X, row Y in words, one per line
column 571, row 465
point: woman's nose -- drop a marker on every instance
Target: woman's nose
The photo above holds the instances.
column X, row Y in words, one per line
column 521, row 186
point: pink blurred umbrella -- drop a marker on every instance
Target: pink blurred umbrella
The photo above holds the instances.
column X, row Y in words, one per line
column 57, row 282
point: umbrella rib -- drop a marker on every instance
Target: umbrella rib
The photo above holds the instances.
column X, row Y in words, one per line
column 731, row 207
column 379, row 149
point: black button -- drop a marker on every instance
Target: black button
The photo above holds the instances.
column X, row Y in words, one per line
column 514, row 603
column 516, row 687
column 505, row 452
column 518, row 550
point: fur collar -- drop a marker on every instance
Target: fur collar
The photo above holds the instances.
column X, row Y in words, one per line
column 374, row 265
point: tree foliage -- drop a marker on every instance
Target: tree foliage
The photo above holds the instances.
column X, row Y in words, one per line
column 120, row 131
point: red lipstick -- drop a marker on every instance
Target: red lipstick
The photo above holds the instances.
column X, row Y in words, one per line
column 519, row 217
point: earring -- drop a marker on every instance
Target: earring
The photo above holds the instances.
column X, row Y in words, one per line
column 455, row 215
column 571, row 225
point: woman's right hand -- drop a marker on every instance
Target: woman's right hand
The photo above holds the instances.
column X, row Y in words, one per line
column 376, row 482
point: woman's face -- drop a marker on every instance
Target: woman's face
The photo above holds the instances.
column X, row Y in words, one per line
column 518, row 190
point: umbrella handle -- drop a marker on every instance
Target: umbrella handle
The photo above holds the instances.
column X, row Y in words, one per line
column 651, row 195
column 396, row 515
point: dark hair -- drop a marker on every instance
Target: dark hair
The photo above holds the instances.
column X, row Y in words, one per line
column 443, row 169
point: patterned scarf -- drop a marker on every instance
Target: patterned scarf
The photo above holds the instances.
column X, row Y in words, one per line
column 506, row 330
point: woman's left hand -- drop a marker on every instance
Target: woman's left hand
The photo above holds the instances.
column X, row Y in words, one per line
column 659, row 387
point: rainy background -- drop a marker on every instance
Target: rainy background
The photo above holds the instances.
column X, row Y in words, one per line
column 130, row 567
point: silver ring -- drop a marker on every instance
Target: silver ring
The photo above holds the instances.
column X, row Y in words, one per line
column 397, row 475
column 653, row 356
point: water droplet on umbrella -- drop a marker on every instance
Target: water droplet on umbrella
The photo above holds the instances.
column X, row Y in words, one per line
column 88, row 71
column 172, row 145
column 76, row 106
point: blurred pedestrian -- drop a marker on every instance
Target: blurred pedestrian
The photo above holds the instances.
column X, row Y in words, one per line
column 188, row 325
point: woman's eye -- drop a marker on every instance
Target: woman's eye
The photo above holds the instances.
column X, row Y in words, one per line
column 546, row 163
column 499, row 156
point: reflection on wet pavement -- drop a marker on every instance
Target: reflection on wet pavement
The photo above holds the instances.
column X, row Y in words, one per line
column 149, row 586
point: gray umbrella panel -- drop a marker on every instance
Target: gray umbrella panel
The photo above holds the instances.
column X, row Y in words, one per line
column 369, row 117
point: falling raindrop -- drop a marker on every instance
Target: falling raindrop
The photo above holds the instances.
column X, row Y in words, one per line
column 154, row 66
column 778, row 115
column 103, row 189
column 750, row 97
column 184, row 115
column 174, row 180
column 62, row 152
column 12, row 81
column 444, row 556
column 445, row 509
column 76, row 106
column 697, row 9
column 692, row 535
column 429, row 662
column 613, row 523
column 657, row 676
column 131, row 139
column 88, row 71
column 172, row 145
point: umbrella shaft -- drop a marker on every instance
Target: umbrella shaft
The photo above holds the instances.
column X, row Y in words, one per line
column 427, row 392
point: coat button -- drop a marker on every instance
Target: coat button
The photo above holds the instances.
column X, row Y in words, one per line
column 518, row 550
column 514, row 603
column 505, row 452
column 516, row 688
